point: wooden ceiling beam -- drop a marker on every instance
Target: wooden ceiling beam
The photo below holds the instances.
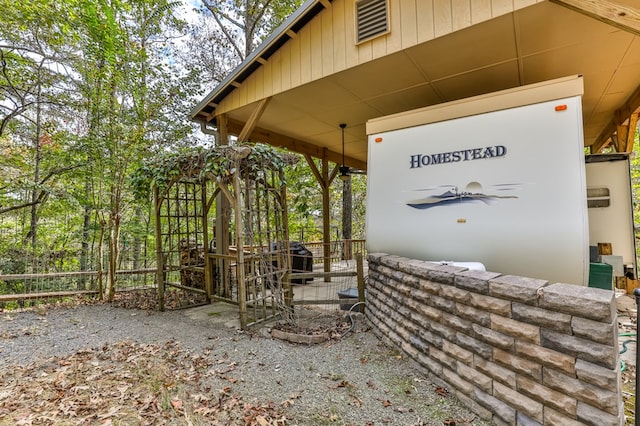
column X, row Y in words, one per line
column 624, row 114
column 275, row 139
column 633, row 130
column 253, row 120
column 612, row 12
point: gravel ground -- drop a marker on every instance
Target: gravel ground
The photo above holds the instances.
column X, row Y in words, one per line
column 353, row 380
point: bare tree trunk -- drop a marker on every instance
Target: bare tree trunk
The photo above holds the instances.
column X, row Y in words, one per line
column 103, row 225
column 114, row 240
column 84, row 249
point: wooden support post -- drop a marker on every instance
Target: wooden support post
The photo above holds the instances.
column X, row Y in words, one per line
column 347, row 218
column 223, row 214
column 360, row 270
column 240, row 273
column 324, row 179
column 326, row 222
column 288, row 288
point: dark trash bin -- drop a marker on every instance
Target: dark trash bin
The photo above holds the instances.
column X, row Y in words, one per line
column 301, row 260
column 350, row 293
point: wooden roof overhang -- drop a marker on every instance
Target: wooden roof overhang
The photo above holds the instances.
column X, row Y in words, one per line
column 310, row 75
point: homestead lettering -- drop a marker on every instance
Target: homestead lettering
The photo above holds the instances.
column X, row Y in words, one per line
column 419, row 160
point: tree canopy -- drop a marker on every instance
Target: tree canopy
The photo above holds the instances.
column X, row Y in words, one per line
column 92, row 92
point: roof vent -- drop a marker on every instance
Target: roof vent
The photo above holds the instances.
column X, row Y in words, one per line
column 372, row 19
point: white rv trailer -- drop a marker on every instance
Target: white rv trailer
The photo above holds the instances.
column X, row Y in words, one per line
column 497, row 179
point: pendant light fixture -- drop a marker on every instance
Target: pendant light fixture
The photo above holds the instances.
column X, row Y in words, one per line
column 344, row 170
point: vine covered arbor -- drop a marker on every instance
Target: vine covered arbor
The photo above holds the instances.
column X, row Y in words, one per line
column 244, row 263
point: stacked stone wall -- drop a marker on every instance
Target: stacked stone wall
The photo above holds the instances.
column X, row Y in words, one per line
column 516, row 350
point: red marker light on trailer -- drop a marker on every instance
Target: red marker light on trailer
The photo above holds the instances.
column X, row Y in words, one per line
column 378, row 140
column 562, row 107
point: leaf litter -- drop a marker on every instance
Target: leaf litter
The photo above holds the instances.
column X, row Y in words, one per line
column 274, row 383
column 126, row 383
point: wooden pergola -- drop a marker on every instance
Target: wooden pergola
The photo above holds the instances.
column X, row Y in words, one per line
column 327, row 65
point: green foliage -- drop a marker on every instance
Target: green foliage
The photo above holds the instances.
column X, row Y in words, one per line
column 215, row 163
column 94, row 100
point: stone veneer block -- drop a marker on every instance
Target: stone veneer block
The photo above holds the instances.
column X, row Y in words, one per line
column 495, row 371
column 419, row 344
column 595, row 330
column 403, row 289
column 470, row 313
column 521, row 402
column 443, row 274
column 454, row 321
column 554, row 418
column 595, row 396
column 414, row 266
column 475, row 281
column 593, row 417
column 429, row 312
column 428, row 287
column 479, row 379
column 431, row 271
column 605, row 378
column 442, row 303
column 517, row 329
column 455, row 293
column 592, row 303
column 457, row 352
column 392, row 261
column 516, row 288
column 373, row 260
column 431, row 338
column 524, row 420
column 549, row 397
column 446, row 332
column 546, row 357
column 518, row 364
column 491, row 304
column 604, row 355
column 461, row 384
column 542, row 317
column 398, row 276
column 410, row 281
column 474, row 345
column 492, row 337
column 500, row 408
column 444, row 358
column 482, row 412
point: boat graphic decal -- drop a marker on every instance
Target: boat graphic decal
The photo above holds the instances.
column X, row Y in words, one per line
column 472, row 194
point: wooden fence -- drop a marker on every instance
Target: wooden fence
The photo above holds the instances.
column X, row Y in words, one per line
column 65, row 284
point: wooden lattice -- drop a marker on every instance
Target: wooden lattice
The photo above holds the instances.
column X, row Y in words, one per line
column 210, row 203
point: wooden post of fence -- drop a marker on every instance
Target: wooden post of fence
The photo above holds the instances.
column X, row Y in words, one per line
column 160, row 259
column 347, row 249
column 360, row 270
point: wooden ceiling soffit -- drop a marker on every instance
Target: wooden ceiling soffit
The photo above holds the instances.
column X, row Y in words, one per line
column 261, row 135
column 612, row 12
column 253, row 120
column 624, row 123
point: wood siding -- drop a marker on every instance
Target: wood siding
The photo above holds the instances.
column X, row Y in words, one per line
column 327, row 44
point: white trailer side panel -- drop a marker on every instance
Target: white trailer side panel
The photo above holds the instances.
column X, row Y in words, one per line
column 612, row 220
column 505, row 188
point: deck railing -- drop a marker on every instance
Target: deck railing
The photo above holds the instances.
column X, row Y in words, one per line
column 339, row 250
